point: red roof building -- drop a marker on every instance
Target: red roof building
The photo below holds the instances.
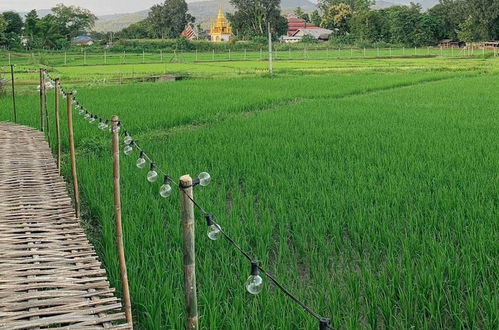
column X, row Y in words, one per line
column 189, row 33
column 295, row 23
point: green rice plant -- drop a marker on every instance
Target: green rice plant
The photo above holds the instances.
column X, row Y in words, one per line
column 372, row 196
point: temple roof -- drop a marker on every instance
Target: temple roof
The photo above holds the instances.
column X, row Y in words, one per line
column 221, row 25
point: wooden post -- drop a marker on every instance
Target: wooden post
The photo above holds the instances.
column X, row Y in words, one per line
column 196, row 54
column 213, row 55
column 46, row 111
column 189, row 252
column 105, row 57
column 58, row 122
column 72, row 154
column 65, row 58
column 13, row 83
column 85, row 57
column 119, row 228
column 42, row 119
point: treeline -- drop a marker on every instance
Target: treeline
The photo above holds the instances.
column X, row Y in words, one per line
column 354, row 21
column 166, row 21
column 53, row 31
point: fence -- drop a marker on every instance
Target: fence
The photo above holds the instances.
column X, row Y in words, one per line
column 279, row 53
column 117, row 129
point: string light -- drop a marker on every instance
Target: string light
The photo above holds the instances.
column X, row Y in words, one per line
column 203, row 179
column 128, row 148
column 117, row 128
column 254, row 283
column 166, row 189
column 127, row 138
column 214, row 231
column 141, row 161
column 152, row 175
column 92, row 119
column 101, row 124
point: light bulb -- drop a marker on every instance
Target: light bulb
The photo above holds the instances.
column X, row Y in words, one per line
column 254, row 283
column 81, row 111
column 152, row 175
column 141, row 162
column 100, row 124
column 128, row 149
column 105, row 125
column 117, row 128
column 214, row 231
column 92, row 119
column 165, row 190
column 204, row 179
column 87, row 115
column 127, row 138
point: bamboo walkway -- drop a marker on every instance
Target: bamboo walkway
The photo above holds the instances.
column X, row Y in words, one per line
column 49, row 273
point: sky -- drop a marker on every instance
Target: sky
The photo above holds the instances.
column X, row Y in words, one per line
column 98, row 7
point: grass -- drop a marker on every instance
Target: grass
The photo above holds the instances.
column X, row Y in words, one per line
column 311, row 52
column 373, row 196
column 102, row 74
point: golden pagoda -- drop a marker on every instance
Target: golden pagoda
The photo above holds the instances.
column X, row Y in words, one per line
column 220, row 30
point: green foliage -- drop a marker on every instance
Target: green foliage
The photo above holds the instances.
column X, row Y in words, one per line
column 301, row 14
column 169, row 19
column 73, row 20
column 251, row 17
column 12, row 31
column 307, row 39
column 337, row 18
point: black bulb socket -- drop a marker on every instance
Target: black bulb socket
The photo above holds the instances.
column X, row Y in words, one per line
column 255, row 270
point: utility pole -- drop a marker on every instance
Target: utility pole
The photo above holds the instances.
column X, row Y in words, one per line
column 270, row 48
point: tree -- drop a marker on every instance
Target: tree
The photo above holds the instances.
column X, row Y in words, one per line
column 371, row 26
column 13, row 29
column 3, row 26
column 337, row 17
column 73, row 20
column 14, row 22
column 315, row 18
column 169, row 19
column 51, row 33
column 301, row 14
column 139, row 30
column 251, row 17
column 356, row 5
column 31, row 28
column 450, row 13
column 467, row 31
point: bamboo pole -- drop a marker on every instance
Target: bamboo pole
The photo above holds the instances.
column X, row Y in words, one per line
column 13, row 92
column 188, row 227
column 119, row 227
column 42, row 121
column 58, row 122
column 45, row 108
column 73, row 154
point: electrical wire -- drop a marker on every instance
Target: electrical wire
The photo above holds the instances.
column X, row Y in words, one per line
column 323, row 321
